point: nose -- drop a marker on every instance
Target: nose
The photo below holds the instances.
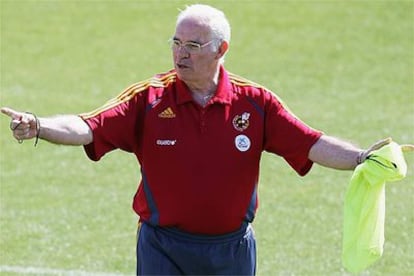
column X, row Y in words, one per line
column 182, row 52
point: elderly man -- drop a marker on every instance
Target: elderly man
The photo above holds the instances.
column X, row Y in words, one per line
column 198, row 132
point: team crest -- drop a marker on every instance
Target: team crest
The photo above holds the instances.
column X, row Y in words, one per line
column 241, row 122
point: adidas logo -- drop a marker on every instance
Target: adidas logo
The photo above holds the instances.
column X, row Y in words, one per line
column 167, row 113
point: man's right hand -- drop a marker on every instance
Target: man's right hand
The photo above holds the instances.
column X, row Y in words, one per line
column 23, row 125
column 59, row 129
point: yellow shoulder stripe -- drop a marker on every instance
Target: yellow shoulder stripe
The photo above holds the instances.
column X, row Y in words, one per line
column 132, row 91
column 240, row 81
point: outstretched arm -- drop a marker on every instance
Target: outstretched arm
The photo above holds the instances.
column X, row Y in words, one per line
column 61, row 129
column 334, row 153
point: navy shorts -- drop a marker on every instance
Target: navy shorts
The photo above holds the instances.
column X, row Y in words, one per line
column 166, row 251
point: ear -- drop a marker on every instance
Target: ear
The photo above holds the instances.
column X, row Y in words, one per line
column 222, row 49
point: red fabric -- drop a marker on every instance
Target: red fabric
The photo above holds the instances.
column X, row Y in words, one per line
column 196, row 178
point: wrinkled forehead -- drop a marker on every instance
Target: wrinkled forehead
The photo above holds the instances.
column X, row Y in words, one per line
column 192, row 29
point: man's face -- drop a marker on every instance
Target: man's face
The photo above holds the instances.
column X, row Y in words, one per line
column 194, row 66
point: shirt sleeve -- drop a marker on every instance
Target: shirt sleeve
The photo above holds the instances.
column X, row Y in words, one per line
column 286, row 135
column 116, row 125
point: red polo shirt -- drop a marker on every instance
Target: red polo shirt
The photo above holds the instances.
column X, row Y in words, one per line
column 199, row 166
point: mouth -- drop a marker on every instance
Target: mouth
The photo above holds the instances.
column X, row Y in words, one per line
column 182, row 66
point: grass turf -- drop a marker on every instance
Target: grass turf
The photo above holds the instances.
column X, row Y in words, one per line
column 343, row 67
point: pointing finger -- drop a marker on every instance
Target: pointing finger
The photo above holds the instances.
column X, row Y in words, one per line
column 11, row 113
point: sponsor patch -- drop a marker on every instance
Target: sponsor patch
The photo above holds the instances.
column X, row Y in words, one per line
column 166, row 142
column 242, row 142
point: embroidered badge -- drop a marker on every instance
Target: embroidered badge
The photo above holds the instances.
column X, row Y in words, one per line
column 241, row 122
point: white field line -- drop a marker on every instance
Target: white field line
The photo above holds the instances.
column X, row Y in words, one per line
column 21, row 270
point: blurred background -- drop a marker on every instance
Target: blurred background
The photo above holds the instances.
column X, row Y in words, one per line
column 344, row 67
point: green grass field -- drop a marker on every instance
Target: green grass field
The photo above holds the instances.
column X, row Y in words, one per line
column 345, row 67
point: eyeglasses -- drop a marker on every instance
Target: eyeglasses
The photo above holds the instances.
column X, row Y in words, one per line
column 189, row 46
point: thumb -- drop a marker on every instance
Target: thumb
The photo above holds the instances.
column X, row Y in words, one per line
column 379, row 144
column 407, row 148
column 11, row 113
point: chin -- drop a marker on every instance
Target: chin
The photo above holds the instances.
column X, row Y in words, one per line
column 183, row 74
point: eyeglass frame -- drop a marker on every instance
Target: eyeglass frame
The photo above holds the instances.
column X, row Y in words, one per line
column 176, row 45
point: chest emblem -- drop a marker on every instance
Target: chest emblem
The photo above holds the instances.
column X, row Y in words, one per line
column 241, row 122
column 242, row 143
column 167, row 113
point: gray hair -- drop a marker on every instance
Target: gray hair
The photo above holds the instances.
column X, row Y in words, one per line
column 212, row 17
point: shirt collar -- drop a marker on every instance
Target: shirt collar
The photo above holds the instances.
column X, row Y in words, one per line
column 222, row 95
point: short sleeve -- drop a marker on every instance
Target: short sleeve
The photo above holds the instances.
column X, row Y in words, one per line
column 286, row 135
column 116, row 126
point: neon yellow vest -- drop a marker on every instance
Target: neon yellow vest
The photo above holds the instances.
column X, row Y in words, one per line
column 364, row 207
